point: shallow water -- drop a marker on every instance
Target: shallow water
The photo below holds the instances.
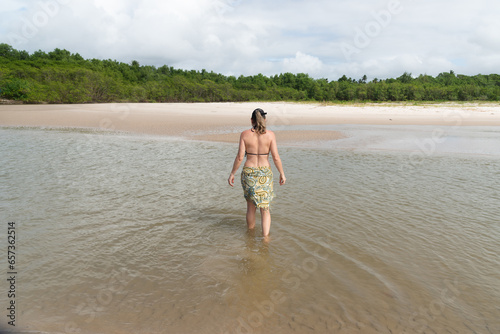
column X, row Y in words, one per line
column 136, row 234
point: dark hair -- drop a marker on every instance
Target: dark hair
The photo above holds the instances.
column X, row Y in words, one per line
column 259, row 121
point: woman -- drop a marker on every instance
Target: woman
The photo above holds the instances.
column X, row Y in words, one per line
column 256, row 176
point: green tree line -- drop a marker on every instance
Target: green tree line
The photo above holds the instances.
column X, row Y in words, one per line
column 60, row 76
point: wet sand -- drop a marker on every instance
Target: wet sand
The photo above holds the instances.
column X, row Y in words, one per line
column 223, row 121
column 386, row 243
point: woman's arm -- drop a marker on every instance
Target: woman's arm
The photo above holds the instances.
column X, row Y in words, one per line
column 237, row 161
column 276, row 159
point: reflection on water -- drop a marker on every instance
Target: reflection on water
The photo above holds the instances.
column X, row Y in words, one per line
column 421, row 140
column 132, row 234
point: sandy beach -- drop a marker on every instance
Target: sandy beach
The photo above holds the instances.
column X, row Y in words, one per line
column 223, row 121
column 125, row 209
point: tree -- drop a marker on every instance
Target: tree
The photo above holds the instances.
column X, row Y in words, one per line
column 343, row 78
column 15, row 89
column 59, row 54
column 77, row 57
column 62, row 77
column 37, row 55
column 405, row 78
column 6, row 50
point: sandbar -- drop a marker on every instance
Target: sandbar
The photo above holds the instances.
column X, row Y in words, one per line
column 224, row 121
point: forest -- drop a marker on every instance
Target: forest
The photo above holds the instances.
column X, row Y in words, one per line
column 60, row 76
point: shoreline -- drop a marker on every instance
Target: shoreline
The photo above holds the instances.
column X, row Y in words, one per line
column 223, row 122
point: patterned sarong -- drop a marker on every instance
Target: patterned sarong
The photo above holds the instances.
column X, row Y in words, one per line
column 257, row 185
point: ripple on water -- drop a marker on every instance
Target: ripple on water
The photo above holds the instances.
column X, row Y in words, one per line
column 135, row 227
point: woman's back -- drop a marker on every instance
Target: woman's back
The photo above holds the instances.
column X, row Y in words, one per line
column 257, row 147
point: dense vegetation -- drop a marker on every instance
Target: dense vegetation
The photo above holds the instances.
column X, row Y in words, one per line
column 62, row 77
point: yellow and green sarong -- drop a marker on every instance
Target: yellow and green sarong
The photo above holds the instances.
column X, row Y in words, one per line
column 257, row 185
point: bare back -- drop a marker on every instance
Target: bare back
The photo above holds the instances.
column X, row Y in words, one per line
column 258, row 147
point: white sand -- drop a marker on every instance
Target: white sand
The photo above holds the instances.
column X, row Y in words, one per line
column 213, row 121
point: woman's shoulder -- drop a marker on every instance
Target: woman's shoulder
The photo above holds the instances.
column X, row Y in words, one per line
column 250, row 132
column 270, row 133
column 246, row 132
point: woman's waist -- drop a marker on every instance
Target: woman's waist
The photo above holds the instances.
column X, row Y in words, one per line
column 256, row 165
column 251, row 169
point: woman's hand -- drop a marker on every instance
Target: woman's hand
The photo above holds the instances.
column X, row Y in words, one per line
column 282, row 179
column 230, row 180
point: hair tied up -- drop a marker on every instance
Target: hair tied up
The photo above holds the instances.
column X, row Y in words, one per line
column 259, row 121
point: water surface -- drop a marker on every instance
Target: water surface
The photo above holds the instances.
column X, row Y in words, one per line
column 123, row 233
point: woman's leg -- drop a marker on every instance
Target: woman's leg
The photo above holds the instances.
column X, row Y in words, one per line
column 250, row 214
column 265, row 216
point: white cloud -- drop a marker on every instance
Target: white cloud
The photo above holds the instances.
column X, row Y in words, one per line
column 10, row 6
column 303, row 63
column 486, row 35
column 389, row 37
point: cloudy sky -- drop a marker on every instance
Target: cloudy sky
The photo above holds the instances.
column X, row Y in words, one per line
column 324, row 38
